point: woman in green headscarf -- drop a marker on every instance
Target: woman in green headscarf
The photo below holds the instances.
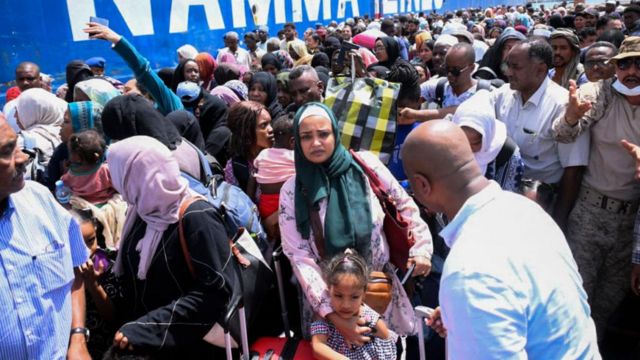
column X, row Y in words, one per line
column 331, row 194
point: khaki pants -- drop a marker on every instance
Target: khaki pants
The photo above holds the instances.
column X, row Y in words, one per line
column 601, row 242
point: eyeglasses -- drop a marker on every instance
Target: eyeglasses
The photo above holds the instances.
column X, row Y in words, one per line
column 456, row 71
column 624, row 64
column 589, row 64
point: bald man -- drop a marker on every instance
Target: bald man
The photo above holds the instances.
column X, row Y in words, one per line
column 510, row 287
column 28, row 76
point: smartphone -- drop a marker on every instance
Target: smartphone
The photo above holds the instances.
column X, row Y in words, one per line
column 100, row 259
column 99, row 20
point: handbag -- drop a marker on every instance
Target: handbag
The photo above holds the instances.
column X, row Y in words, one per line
column 366, row 112
column 255, row 274
column 378, row 294
column 396, row 227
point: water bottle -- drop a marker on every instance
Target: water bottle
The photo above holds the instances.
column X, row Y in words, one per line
column 63, row 194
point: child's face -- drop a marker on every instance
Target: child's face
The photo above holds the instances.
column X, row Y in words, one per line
column 89, row 235
column 346, row 296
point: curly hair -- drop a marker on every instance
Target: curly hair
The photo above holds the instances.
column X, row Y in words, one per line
column 242, row 121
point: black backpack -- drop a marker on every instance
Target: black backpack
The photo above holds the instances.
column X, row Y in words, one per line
column 482, row 85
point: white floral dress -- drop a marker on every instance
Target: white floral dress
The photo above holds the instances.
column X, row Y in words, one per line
column 305, row 259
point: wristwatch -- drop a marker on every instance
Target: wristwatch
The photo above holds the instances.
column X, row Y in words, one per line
column 81, row 330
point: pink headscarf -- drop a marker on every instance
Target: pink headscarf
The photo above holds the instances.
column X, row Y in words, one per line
column 225, row 94
column 147, row 176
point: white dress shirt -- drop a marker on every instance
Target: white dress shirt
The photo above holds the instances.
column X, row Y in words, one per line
column 529, row 125
column 510, row 288
column 242, row 56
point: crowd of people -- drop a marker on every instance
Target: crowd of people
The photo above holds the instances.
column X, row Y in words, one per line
column 514, row 168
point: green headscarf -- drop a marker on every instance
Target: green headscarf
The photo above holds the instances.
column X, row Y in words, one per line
column 341, row 180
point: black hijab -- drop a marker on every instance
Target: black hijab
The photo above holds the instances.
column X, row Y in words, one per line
column 226, row 72
column 178, row 73
column 270, row 59
column 213, row 123
column 321, row 59
column 166, row 75
column 188, row 126
column 76, row 72
column 129, row 115
column 213, row 114
column 393, row 51
column 270, row 86
column 493, row 58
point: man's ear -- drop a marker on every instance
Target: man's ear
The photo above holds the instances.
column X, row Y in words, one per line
column 321, row 87
column 420, row 186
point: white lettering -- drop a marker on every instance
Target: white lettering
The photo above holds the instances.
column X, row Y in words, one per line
column 437, row 4
column 79, row 13
column 389, row 6
column 426, row 5
column 259, row 10
column 280, row 12
column 342, row 8
column 313, row 8
column 179, row 19
column 137, row 15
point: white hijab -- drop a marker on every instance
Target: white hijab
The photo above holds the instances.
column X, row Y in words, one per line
column 41, row 115
column 478, row 114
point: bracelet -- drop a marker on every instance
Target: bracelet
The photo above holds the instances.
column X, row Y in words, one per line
column 81, row 330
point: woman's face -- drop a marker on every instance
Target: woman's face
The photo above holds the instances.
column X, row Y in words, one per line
column 191, row 71
column 284, row 98
column 67, row 129
column 311, row 44
column 271, row 69
column 474, row 137
column 425, row 53
column 381, row 51
column 264, row 131
column 316, row 139
column 258, row 94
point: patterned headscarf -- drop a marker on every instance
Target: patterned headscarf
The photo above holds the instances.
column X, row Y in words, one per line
column 573, row 68
column 100, row 91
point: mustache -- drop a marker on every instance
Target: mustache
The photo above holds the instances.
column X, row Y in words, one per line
column 631, row 78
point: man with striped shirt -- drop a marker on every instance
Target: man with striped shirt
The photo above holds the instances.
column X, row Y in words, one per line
column 41, row 300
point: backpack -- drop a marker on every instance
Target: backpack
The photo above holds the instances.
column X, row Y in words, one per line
column 235, row 207
column 482, row 85
column 37, row 170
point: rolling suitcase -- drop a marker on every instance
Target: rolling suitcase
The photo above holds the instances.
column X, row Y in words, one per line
column 281, row 348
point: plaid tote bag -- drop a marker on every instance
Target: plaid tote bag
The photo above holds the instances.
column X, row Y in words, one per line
column 366, row 113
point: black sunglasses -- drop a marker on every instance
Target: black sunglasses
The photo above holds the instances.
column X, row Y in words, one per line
column 624, row 64
column 456, row 71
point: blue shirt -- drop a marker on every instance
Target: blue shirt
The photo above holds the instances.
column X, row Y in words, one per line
column 510, row 288
column 40, row 244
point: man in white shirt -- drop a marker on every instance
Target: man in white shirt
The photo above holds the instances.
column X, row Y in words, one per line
column 290, row 34
column 528, row 107
column 450, row 91
column 231, row 41
column 510, row 288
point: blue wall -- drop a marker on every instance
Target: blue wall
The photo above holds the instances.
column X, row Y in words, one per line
column 41, row 30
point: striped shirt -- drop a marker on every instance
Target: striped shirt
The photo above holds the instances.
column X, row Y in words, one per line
column 40, row 244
